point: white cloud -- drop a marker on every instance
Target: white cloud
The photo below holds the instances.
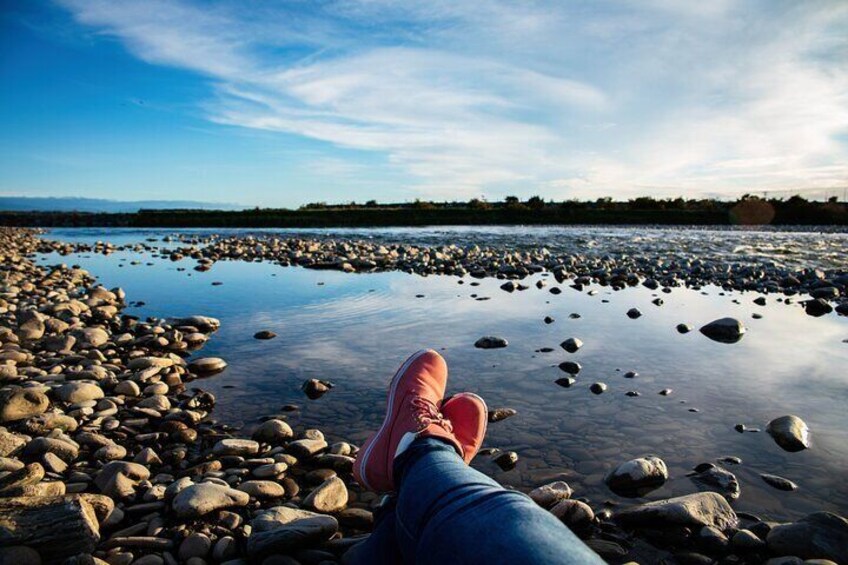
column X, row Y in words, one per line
column 568, row 99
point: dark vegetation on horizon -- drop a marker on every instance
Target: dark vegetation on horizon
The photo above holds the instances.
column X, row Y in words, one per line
column 748, row 210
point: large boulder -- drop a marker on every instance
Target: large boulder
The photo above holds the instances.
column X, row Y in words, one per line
column 692, row 510
column 820, row 535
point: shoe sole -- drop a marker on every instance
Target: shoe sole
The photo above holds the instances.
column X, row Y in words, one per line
column 389, row 415
column 485, row 413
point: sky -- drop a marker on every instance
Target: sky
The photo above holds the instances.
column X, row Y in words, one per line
column 283, row 103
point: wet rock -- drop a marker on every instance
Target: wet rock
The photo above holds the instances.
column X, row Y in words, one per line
column 198, row 500
column 208, row 365
column 684, row 328
column 499, row 414
column 506, row 460
column 817, row 307
column 575, row 514
column 637, row 476
column 779, row 482
column 634, row 313
column 821, row 535
column 203, row 323
column 717, row 479
column 314, row 388
column 692, row 510
column 598, row 388
column 330, row 496
column 20, row 404
column 549, row 320
column 789, row 432
column 571, row 344
column 571, row 367
column 724, row 330
column 548, row 495
column 746, row 541
column 282, row 530
column 565, row 382
column 264, row 334
column 490, row 342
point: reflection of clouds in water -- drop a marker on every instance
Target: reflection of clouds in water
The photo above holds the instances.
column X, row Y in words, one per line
column 786, row 363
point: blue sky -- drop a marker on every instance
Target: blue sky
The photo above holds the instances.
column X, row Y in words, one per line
column 283, row 103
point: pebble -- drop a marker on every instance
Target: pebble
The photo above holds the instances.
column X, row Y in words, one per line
column 571, row 367
column 208, row 365
column 314, row 388
column 499, row 414
column 571, row 344
column 637, row 476
column 575, row 514
column 724, row 330
column 490, row 342
column 198, row 500
column 778, row 482
column 549, row 494
column 330, row 496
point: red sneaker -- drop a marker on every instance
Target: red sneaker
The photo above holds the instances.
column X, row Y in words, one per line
column 469, row 416
column 415, row 392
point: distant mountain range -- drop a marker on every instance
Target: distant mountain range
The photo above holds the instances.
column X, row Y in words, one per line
column 72, row 204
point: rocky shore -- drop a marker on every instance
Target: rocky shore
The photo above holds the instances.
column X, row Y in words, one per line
column 826, row 289
column 109, row 452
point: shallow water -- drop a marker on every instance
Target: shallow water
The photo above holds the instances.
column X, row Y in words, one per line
column 354, row 330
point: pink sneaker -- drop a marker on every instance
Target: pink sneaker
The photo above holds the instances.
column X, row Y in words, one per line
column 416, row 391
column 469, row 416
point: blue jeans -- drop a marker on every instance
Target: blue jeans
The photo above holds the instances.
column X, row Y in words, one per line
column 446, row 512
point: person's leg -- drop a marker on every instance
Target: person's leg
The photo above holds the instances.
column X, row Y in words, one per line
column 448, row 512
column 468, row 413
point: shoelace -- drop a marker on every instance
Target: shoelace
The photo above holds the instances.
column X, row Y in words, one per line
column 426, row 413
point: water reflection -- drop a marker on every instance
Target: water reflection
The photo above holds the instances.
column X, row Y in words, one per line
column 354, row 330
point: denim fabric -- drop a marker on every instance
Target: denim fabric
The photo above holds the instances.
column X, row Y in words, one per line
column 446, row 512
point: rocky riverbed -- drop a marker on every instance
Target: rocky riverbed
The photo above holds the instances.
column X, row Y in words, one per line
column 106, row 427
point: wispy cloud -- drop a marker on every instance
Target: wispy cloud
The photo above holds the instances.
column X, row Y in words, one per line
column 567, row 99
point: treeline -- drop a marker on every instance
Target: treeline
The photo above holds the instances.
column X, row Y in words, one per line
column 748, row 210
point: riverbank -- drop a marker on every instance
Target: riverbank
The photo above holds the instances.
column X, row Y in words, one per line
column 751, row 211
column 131, row 449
